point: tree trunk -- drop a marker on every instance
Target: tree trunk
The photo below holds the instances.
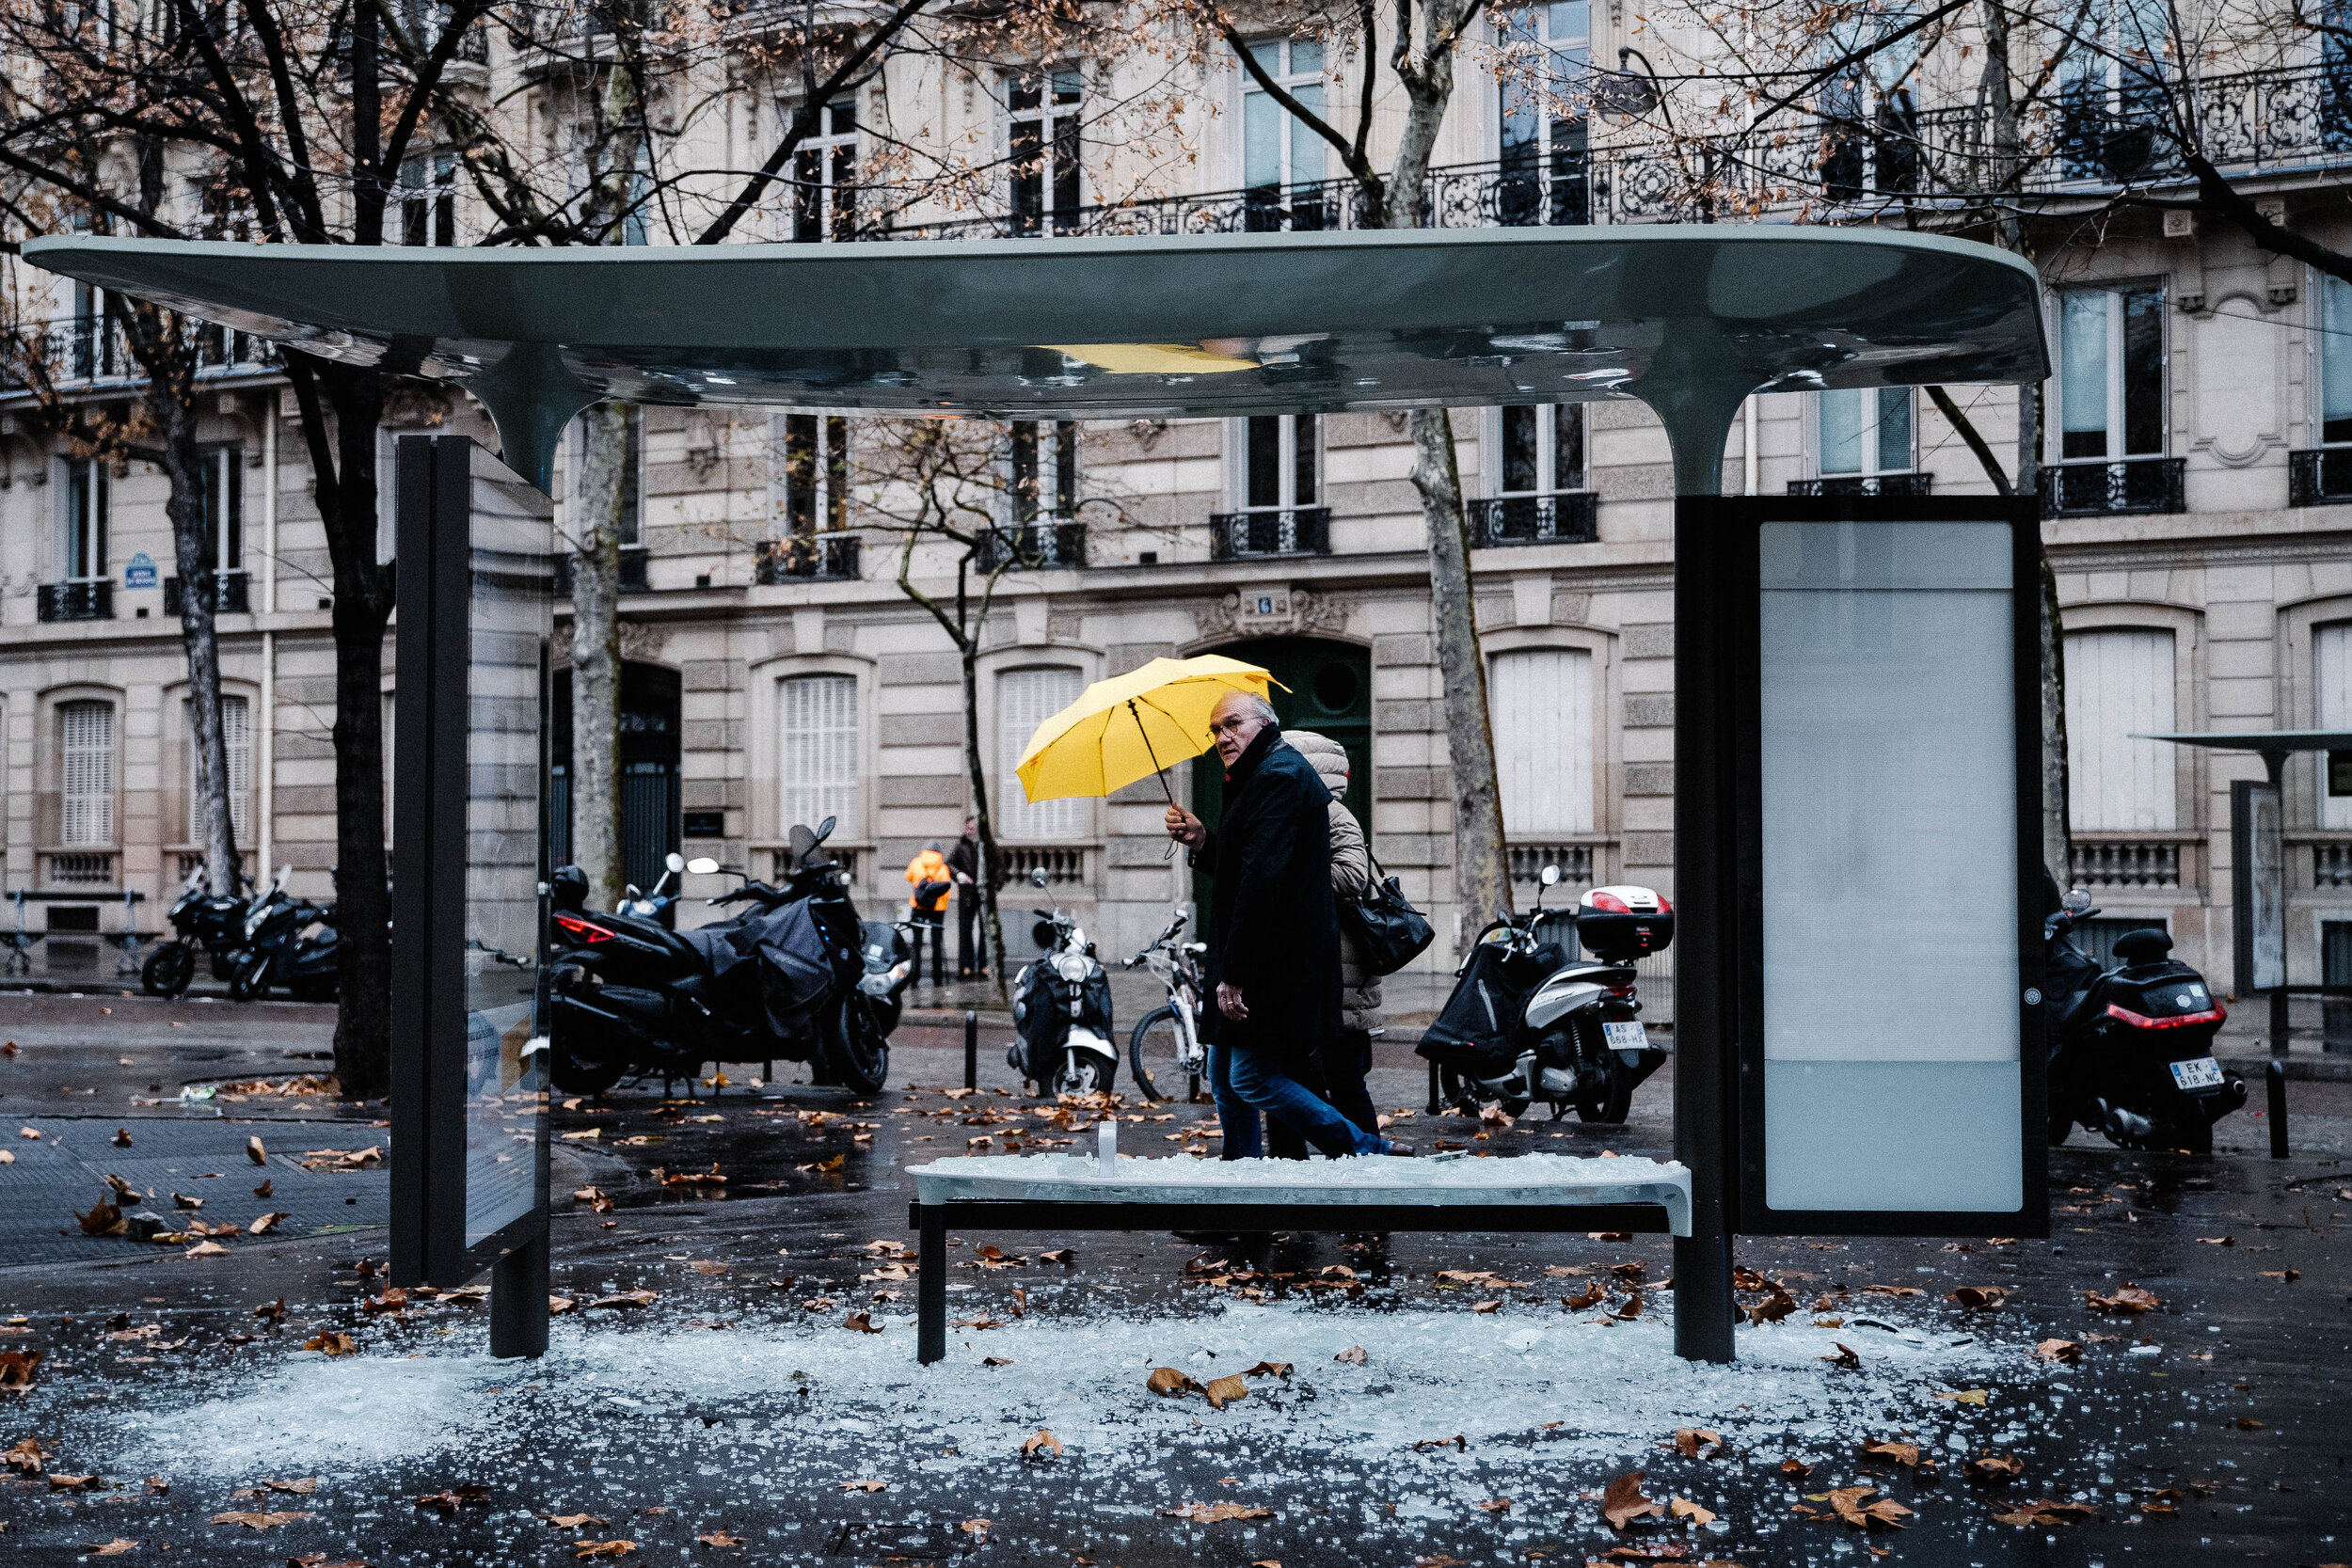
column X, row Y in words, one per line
column 596, row 655
column 968, row 652
column 193, row 553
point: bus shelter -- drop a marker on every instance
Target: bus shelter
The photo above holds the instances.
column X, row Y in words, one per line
column 1856, row 732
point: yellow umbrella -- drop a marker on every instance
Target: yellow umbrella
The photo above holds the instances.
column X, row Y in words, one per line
column 1136, row 724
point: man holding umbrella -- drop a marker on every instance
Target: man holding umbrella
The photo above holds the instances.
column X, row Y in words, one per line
column 1273, row 963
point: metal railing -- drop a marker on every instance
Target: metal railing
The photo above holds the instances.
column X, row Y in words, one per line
column 77, row 351
column 80, row 599
column 1032, row 546
column 2319, row 476
column 1864, row 484
column 1569, row 517
column 1242, row 535
column 2117, row 863
column 807, row 558
column 2134, row 484
column 229, row 593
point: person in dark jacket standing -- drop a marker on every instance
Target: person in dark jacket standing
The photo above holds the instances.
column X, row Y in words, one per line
column 1272, row 964
column 963, row 865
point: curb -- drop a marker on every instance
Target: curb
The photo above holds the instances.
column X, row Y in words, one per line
column 2331, row 1069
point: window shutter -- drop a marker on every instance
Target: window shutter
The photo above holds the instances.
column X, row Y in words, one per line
column 817, row 767
column 1542, row 702
column 86, row 733
column 2119, row 684
column 1025, row 700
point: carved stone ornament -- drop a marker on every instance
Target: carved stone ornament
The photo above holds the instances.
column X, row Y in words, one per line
column 1147, row 433
column 640, row 644
column 1272, row 611
column 414, row 405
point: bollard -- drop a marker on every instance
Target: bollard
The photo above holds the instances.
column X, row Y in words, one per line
column 2277, row 1074
column 971, row 1048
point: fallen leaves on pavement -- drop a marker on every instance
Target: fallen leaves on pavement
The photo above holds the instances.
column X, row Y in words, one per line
column 1697, row 1442
column 1044, row 1443
column 17, row 1367
column 262, row 1224
column 27, row 1457
column 2060, row 1350
column 2043, row 1511
column 103, row 1219
column 1845, row 1357
column 1905, row 1454
column 1983, row 1298
column 1622, row 1501
column 1353, row 1356
column 77, row 1483
column 1845, row 1505
column 110, row 1548
column 255, row 1152
column 1962, row 1396
column 342, row 1159
column 455, row 1498
column 1169, row 1383
column 1992, row 1468
column 627, row 1299
column 865, row 1485
column 332, row 1343
column 2131, row 1298
column 720, row 1538
column 1683, row 1508
column 574, row 1521
column 603, row 1548
column 1222, row 1392
column 862, row 1322
column 257, row 1521
column 1457, row 1443
column 1211, row 1513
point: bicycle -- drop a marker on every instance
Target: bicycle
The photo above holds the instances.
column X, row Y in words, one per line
column 1168, row 1036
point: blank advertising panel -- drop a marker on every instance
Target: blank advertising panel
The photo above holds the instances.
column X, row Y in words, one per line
column 1886, row 973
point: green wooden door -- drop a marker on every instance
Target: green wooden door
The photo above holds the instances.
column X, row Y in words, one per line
column 1330, row 692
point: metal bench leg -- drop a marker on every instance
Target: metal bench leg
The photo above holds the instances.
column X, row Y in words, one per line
column 1434, row 1107
column 931, row 1285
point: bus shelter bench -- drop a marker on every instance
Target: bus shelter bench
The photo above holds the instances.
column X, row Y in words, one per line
column 1528, row 1194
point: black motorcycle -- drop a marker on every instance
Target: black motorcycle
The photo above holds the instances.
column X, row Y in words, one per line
column 1526, row 1022
column 2131, row 1048
column 290, row 943
column 781, row 980
column 201, row 922
column 1061, row 1010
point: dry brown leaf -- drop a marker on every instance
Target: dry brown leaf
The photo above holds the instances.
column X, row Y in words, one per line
column 1043, row 1443
column 257, row 1521
column 1683, row 1508
column 455, row 1498
column 26, row 1458
column 720, row 1538
column 123, row 1137
column 77, row 1483
column 996, row 1361
column 862, row 1322
column 1269, row 1368
column 332, row 1343
column 2059, row 1350
column 206, row 1249
column 1995, row 1466
column 627, row 1299
column 1223, row 1392
column 266, row 1189
column 301, row 1486
column 1485, row 1307
column 262, row 1224
column 1169, row 1383
column 103, row 1219
column 1622, row 1502
column 1353, row 1356
column 1457, row 1443
column 2043, row 1511
column 110, row 1548
column 1697, row 1442
column 1980, row 1297
column 1962, row 1396
column 573, row 1521
column 1772, row 1308
column 17, row 1367
column 1588, row 1297
column 603, row 1548
column 1794, row 1468
column 1494, row 1505
column 1905, row 1454
column 2130, row 1298
column 1211, row 1513
column 255, row 1152
column 865, row 1485
column 977, row 1527
column 1059, row 1254
column 1845, row 1357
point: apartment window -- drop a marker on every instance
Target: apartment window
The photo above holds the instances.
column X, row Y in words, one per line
column 425, row 199
column 2335, row 360
column 236, row 734
column 2332, row 662
column 817, row 764
column 1277, row 150
column 813, row 469
column 86, row 775
column 1543, row 128
column 2111, row 373
column 1044, row 151
column 1282, row 465
column 2111, row 93
column 1542, row 450
column 1045, row 468
column 825, row 177
column 223, row 471
column 1867, row 430
column 1542, row 703
column 1025, row 700
column 2119, row 686
column 86, row 503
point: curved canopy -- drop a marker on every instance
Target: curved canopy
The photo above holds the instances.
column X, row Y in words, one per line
column 1680, row 316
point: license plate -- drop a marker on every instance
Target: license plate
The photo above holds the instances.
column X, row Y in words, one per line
column 2202, row 1073
column 1625, row 1036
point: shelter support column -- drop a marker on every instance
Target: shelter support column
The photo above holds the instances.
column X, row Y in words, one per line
column 1698, row 413
column 2275, row 1070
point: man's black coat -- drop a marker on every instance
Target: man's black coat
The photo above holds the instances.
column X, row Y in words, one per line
column 1274, row 928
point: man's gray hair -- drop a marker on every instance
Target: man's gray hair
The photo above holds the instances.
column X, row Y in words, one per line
column 1258, row 706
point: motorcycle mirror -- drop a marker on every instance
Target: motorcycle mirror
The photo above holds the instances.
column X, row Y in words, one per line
column 2077, row 900
column 1036, row 875
column 1550, row 876
column 702, row 865
column 825, row 830
column 674, row 861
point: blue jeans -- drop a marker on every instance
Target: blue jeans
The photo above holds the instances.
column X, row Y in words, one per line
column 1243, row 1081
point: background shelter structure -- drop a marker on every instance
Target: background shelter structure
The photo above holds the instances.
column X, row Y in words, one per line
column 1689, row 320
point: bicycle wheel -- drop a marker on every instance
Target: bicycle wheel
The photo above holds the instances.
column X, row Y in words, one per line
column 1156, row 1052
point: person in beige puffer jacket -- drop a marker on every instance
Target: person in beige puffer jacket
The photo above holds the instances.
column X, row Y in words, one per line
column 1346, row 1058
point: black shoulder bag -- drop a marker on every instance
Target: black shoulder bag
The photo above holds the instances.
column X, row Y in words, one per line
column 1391, row 932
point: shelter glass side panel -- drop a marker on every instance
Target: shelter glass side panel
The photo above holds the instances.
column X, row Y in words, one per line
column 511, row 619
column 1889, row 759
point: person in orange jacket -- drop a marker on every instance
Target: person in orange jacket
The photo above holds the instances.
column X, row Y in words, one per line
column 927, row 906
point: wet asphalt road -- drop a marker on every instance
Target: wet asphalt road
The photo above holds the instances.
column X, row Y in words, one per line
column 626, row 1422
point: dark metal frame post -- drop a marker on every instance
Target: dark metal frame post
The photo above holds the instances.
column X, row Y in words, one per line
column 971, row 1048
column 2275, row 1070
column 1706, row 885
column 428, row 989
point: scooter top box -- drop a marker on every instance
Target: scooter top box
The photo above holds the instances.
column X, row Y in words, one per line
column 1620, row 924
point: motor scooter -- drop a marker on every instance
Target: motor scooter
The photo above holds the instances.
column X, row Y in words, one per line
column 288, row 942
column 1527, row 1023
column 1061, row 1010
column 200, row 920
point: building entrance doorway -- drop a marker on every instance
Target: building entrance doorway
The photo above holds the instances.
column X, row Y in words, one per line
column 649, row 772
column 1330, row 693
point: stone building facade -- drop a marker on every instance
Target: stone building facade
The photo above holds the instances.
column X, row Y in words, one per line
column 2200, row 452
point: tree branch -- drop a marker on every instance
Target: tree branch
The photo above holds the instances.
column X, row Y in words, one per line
column 1967, row 431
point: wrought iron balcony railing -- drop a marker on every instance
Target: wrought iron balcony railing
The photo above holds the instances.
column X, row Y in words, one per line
column 2320, row 476
column 1864, row 484
column 77, row 351
column 80, row 599
column 1032, row 546
column 1241, row 535
column 229, row 593
column 807, row 558
column 1569, row 517
column 632, row 573
column 2149, row 484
